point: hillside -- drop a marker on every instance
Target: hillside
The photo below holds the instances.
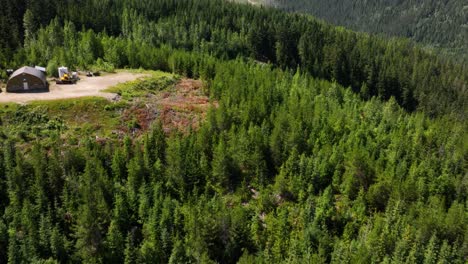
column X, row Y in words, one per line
column 286, row 167
column 252, row 136
column 370, row 65
column 436, row 24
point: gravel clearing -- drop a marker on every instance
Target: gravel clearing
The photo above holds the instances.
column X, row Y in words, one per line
column 87, row 86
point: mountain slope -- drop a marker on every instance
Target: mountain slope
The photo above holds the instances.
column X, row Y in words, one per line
column 370, row 65
column 439, row 24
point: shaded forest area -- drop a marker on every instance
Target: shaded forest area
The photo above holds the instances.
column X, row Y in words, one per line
column 437, row 24
column 292, row 166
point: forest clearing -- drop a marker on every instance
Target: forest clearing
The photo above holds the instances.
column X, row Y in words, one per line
column 109, row 106
column 87, row 86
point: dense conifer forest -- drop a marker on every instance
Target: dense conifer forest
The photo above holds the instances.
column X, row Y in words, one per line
column 326, row 145
column 436, row 24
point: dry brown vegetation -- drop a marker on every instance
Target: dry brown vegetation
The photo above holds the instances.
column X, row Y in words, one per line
column 181, row 107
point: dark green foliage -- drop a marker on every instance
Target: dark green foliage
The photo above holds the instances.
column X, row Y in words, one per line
column 439, row 24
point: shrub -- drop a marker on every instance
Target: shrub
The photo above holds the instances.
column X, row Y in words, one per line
column 52, row 68
column 102, row 65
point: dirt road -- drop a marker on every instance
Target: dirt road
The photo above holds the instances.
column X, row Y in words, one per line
column 87, row 86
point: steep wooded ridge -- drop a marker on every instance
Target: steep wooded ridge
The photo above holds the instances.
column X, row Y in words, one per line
column 439, row 24
column 285, row 163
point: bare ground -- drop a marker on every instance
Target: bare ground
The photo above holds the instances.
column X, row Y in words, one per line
column 186, row 106
column 179, row 108
column 87, row 86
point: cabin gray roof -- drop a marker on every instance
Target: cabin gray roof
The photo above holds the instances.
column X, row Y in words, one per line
column 30, row 71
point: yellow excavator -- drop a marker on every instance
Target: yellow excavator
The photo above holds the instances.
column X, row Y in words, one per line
column 65, row 77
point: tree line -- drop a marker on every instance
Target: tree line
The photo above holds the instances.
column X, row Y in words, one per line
column 370, row 65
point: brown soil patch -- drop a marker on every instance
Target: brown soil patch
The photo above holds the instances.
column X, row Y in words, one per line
column 185, row 106
column 138, row 118
column 180, row 108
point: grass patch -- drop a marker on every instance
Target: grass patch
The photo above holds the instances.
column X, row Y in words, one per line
column 70, row 118
column 157, row 81
column 76, row 111
column 87, row 115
